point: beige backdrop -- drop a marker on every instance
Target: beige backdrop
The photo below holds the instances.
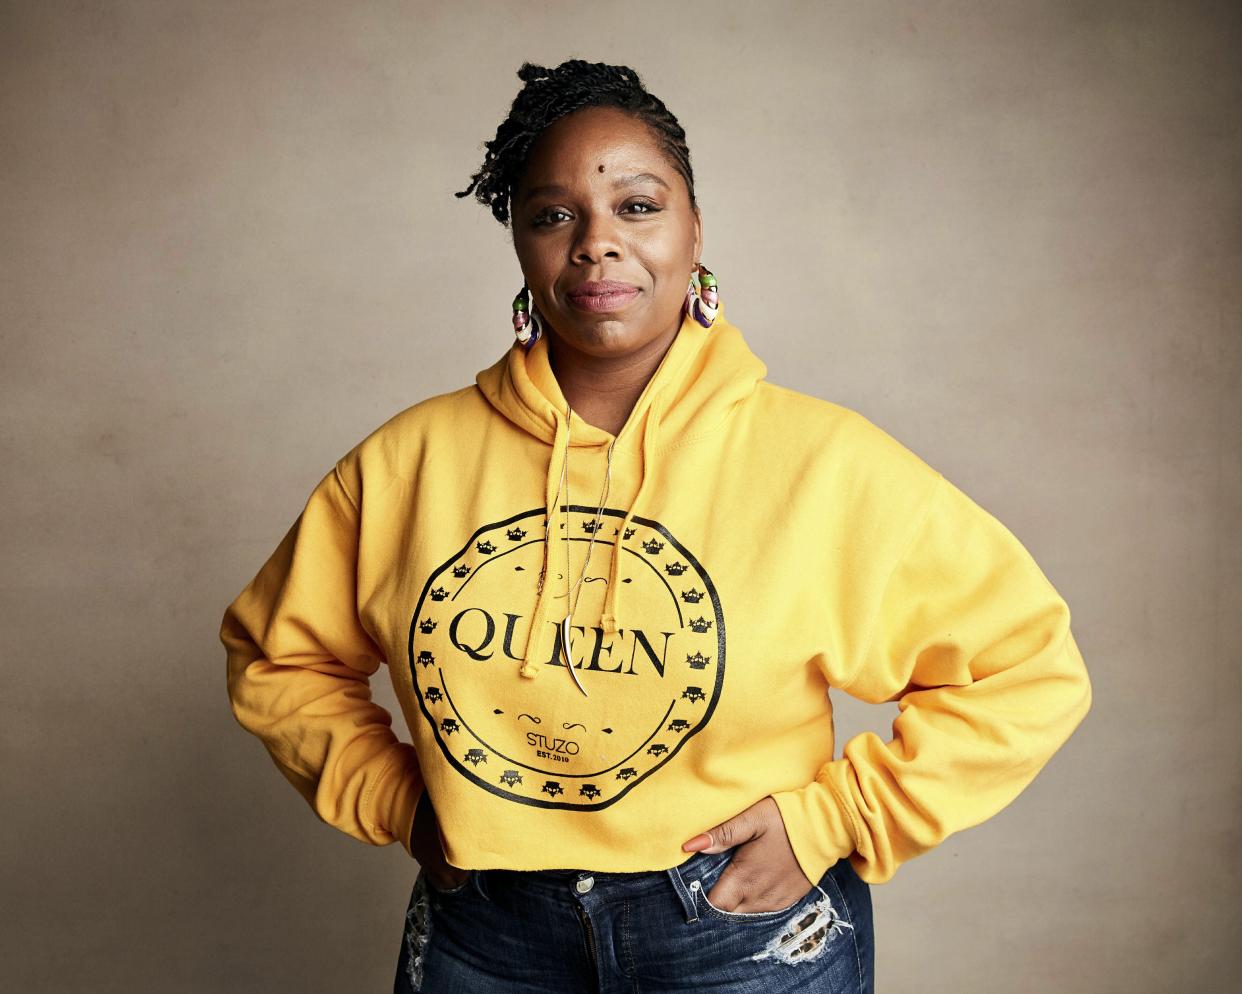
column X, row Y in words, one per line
column 1007, row 232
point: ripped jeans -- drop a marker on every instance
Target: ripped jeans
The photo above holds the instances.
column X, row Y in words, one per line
column 577, row 931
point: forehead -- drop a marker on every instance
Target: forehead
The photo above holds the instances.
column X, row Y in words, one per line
column 578, row 144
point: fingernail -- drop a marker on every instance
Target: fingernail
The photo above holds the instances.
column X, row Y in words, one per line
column 701, row 841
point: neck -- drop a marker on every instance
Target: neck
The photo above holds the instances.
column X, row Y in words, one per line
column 602, row 390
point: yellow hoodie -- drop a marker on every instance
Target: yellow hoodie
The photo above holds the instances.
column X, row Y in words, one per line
column 755, row 547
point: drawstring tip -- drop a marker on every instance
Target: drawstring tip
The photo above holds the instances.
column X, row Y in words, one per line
column 608, row 623
column 530, row 670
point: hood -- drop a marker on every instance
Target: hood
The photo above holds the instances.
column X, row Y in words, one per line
column 703, row 376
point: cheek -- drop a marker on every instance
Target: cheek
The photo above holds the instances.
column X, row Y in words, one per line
column 669, row 263
column 536, row 262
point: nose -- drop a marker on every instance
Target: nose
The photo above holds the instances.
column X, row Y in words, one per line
column 596, row 239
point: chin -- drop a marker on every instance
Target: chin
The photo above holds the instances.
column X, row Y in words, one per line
column 605, row 338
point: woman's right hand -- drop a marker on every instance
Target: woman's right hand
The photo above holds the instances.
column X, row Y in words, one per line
column 426, row 848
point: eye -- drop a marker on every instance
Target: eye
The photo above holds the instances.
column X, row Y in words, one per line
column 550, row 215
column 547, row 217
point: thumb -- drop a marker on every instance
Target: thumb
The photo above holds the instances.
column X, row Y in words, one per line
column 738, row 829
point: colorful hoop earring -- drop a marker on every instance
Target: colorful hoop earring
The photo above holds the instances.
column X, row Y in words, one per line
column 527, row 325
column 702, row 303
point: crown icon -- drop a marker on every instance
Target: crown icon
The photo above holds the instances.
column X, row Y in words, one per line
column 651, row 546
column 629, row 533
column 591, row 527
column 516, row 534
column 692, row 596
column 439, row 593
column 425, row 658
column 426, row 626
column 675, row 569
column 485, row 547
column 698, row 661
column 461, row 570
column 699, row 624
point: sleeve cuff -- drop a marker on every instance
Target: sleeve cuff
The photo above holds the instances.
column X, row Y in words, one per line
column 397, row 794
column 817, row 823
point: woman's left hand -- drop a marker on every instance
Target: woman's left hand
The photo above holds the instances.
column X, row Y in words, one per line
column 763, row 874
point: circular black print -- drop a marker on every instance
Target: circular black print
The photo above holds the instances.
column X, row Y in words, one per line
column 650, row 686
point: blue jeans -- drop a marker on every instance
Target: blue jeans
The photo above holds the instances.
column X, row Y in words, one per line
column 578, row 932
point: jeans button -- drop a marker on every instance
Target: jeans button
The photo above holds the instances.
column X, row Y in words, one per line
column 584, row 884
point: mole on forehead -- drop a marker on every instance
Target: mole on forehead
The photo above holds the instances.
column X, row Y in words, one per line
column 601, row 167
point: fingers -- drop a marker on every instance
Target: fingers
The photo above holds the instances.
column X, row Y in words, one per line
column 732, row 891
column 736, row 891
column 764, row 870
column 751, row 824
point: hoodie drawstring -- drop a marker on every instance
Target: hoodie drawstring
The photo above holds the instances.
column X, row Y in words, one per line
column 612, row 600
column 557, row 470
column 560, row 443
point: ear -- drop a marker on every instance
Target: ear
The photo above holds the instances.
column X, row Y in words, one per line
column 698, row 235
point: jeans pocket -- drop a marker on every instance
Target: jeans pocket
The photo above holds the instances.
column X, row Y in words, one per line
column 702, row 877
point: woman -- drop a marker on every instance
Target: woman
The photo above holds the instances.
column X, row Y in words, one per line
column 623, row 499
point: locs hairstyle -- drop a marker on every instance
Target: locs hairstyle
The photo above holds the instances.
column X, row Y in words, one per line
column 550, row 94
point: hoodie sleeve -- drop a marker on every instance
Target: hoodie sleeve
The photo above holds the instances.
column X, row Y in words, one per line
column 298, row 667
column 974, row 644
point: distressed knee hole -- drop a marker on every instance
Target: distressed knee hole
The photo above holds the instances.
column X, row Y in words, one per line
column 417, row 934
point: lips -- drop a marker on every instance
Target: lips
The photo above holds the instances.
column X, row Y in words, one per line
column 600, row 288
column 602, row 295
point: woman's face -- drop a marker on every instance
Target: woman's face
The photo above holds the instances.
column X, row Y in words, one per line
column 599, row 201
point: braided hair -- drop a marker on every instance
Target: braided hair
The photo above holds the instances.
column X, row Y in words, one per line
column 550, row 94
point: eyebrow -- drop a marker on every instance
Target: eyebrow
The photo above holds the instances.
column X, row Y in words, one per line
column 630, row 179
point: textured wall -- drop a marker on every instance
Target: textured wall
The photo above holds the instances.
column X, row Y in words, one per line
column 1007, row 232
